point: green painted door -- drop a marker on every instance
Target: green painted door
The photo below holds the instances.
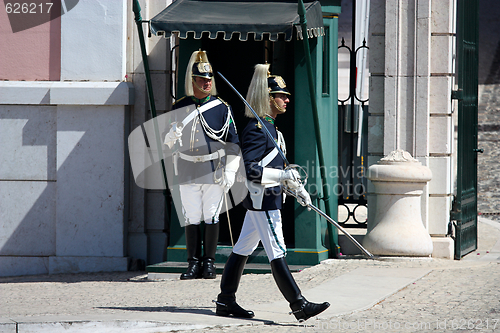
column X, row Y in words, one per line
column 464, row 211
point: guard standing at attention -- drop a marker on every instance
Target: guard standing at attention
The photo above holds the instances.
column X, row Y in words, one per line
column 205, row 153
column 266, row 174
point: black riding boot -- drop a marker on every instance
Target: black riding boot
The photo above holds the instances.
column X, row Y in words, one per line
column 301, row 308
column 210, row 247
column 226, row 301
column 193, row 247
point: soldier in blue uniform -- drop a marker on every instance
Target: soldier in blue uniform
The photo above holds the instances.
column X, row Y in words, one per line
column 205, row 153
column 266, row 174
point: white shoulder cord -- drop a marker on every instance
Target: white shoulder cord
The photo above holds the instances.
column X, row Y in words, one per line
column 216, row 135
column 193, row 133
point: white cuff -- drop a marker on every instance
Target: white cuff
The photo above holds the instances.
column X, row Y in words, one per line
column 271, row 175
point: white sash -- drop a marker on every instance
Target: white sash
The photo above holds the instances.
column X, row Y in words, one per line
column 201, row 109
column 269, row 157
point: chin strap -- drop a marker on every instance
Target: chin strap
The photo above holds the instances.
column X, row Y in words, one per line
column 279, row 108
column 200, row 88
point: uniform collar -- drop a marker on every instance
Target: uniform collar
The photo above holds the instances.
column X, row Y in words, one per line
column 200, row 101
column 268, row 118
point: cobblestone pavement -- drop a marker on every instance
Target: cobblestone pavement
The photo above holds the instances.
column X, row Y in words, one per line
column 488, row 162
column 459, row 294
column 458, row 299
column 456, row 296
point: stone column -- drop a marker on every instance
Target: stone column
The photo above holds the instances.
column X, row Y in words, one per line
column 397, row 229
column 411, row 78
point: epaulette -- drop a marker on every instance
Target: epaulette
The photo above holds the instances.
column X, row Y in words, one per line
column 223, row 101
column 177, row 101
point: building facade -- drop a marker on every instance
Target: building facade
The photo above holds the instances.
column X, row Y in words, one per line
column 65, row 107
column 72, row 89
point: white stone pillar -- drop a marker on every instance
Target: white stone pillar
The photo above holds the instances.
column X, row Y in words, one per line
column 411, row 77
column 397, row 229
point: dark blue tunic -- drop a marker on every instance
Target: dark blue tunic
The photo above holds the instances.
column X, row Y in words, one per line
column 202, row 144
column 255, row 145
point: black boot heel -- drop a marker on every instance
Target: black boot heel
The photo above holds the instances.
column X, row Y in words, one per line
column 221, row 309
column 231, row 308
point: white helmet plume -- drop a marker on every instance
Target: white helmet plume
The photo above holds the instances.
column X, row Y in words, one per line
column 258, row 92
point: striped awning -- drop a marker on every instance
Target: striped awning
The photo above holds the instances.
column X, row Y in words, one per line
column 260, row 18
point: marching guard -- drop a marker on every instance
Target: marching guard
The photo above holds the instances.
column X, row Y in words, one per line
column 205, row 153
column 266, row 174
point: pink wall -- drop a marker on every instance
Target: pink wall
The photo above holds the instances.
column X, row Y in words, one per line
column 31, row 55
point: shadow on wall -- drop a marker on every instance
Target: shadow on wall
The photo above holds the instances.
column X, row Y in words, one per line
column 62, row 188
column 28, row 188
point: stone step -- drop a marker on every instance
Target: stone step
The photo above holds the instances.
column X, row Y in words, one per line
column 250, row 268
column 347, row 247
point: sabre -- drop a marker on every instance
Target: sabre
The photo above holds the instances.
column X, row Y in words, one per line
column 332, row 221
column 316, row 209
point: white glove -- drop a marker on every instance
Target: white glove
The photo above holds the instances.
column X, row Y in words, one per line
column 291, row 179
column 232, row 165
column 173, row 135
column 303, row 197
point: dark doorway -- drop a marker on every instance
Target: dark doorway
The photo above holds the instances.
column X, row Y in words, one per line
column 235, row 60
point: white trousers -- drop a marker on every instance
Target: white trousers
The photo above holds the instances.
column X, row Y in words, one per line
column 201, row 202
column 262, row 226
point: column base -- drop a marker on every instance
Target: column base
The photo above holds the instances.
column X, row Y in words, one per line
column 443, row 248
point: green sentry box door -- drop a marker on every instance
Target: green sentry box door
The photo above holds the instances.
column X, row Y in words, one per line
column 313, row 237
